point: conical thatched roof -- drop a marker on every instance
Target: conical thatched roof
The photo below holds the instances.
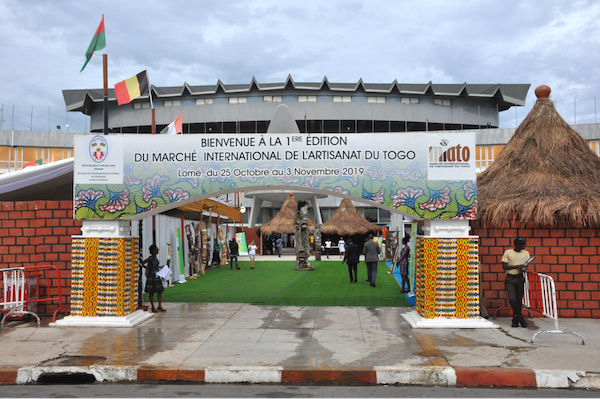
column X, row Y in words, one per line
column 347, row 220
column 283, row 222
column 545, row 174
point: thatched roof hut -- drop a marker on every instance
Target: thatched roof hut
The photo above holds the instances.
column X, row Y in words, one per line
column 347, row 221
column 545, row 174
column 283, row 222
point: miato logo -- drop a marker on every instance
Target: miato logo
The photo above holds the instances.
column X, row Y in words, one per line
column 443, row 153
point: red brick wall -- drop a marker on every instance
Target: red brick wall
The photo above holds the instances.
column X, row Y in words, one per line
column 570, row 255
column 39, row 233
column 252, row 234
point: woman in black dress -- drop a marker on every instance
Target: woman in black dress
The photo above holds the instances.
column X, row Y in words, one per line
column 153, row 282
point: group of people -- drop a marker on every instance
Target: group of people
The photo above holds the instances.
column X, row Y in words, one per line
column 371, row 251
column 514, row 263
column 274, row 244
column 351, row 256
column 234, row 251
column 341, row 247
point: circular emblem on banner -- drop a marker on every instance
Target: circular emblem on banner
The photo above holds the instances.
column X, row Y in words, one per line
column 98, row 148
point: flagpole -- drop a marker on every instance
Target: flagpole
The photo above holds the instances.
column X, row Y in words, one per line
column 153, row 131
column 105, row 106
column 151, row 105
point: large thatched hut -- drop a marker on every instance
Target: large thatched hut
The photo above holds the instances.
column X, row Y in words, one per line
column 283, row 222
column 347, row 221
column 544, row 186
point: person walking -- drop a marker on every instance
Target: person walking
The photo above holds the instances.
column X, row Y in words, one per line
column 279, row 244
column 371, row 251
column 342, row 247
column 216, row 259
column 403, row 265
column 153, row 282
column 234, row 249
column 252, row 253
column 514, row 263
column 352, row 257
column 327, row 247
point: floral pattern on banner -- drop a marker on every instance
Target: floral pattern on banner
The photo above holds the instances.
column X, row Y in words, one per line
column 402, row 185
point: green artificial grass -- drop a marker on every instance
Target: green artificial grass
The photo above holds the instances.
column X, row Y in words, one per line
column 278, row 283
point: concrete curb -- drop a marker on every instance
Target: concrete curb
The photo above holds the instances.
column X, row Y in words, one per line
column 464, row 377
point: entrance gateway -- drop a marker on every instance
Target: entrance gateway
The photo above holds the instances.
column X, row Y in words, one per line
column 424, row 176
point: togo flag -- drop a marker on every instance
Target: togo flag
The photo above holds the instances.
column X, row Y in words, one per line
column 174, row 127
column 98, row 43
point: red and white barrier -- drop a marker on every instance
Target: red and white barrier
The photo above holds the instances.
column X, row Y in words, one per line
column 14, row 293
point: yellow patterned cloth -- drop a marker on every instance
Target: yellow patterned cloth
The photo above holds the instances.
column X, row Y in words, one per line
column 446, row 277
column 104, row 276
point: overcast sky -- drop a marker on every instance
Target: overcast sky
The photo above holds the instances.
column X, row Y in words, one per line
column 43, row 44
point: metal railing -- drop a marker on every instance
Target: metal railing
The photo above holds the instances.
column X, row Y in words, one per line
column 18, row 295
column 14, row 293
column 540, row 294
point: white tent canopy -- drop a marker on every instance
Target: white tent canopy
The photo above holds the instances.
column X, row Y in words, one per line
column 52, row 181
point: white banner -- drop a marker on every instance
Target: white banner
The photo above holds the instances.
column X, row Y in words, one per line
column 418, row 173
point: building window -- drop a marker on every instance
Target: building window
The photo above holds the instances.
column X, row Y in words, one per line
column 272, row 99
column 141, row 105
column 307, row 99
column 172, row 103
column 204, row 101
column 342, row 99
column 377, row 100
column 238, row 100
column 411, row 100
column 595, row 146
column 376, row 215
column 439, row 101
column 485, row 156
column 385, row 217
column 370, row 214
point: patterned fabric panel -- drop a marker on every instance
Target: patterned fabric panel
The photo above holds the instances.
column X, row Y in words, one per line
column 447, row 278
column 104, row 276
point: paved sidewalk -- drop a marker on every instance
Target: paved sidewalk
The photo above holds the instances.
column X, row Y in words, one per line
column 225, row 342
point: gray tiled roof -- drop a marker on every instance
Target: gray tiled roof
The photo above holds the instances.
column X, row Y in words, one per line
column 509, row 94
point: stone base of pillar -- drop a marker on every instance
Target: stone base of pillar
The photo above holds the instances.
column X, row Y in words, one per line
column 417, row 321
column 131, row 320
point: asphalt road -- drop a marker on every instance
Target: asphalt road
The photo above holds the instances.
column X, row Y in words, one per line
column 273, row 391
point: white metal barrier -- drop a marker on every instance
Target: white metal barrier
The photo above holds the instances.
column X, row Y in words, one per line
column 14, row 293
column 540, row 294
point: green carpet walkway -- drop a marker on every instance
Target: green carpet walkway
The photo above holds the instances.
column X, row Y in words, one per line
column 278, row 283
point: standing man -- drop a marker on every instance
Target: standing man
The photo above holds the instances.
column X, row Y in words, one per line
column 352, row 257
column 514, row 264
column 371, row 251
column 233, row 253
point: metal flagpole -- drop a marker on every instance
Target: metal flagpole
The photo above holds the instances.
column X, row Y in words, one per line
column 105, row 103
column 151, row 104
column 153, row 131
